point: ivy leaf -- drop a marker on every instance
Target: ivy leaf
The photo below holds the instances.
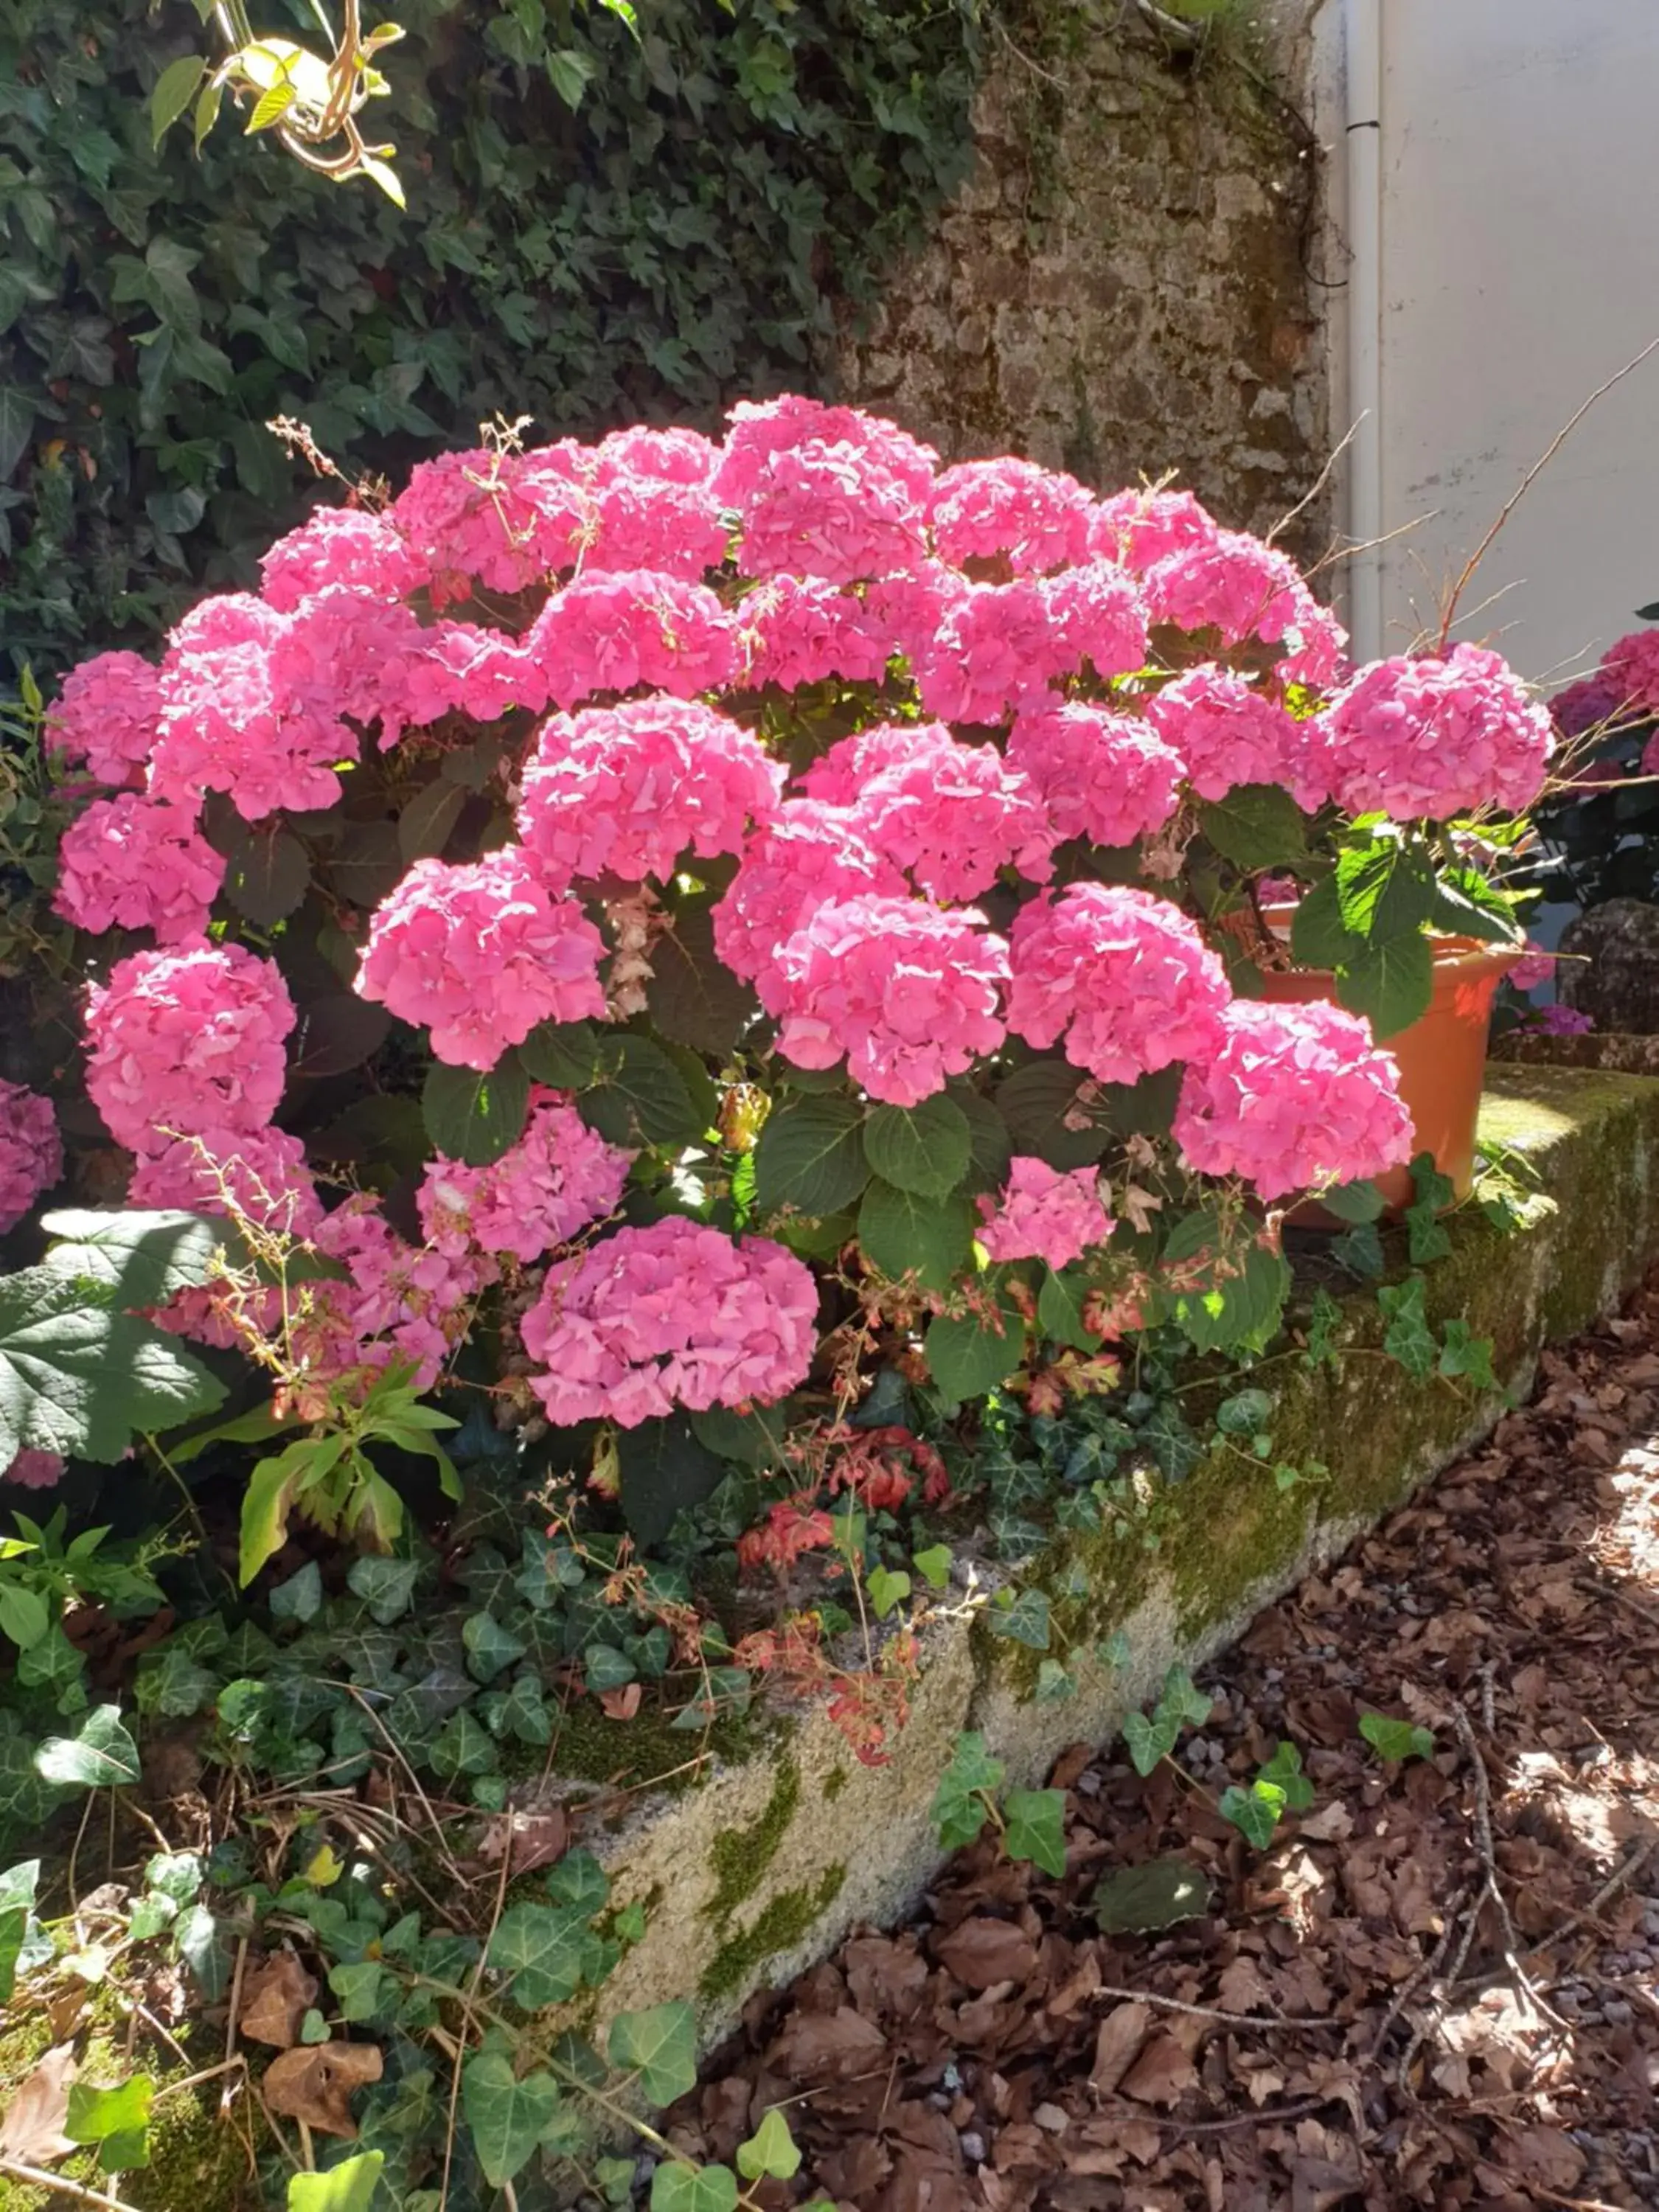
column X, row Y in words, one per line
column 579, row 1881
column 386, row 1587
column 300, row 1597
column 810, row 1156
column 771, row 2150
column 348, row 2187
column 1465, row 1354
column 101, row 1755
column 1395, row 1739
column 490, row 1646
column 1433, row 1193
column 1256, row 826
column 660, row 2047
column 1036, row 1828
column 968, row 1356
column 473, row 1117
column 675, row 2187
column 1253, row 1812
column 1245, row 1413
column 462, row 1746
column 1361, row 1252
column 570, row 71
column 507, row 2117
column 18, row 1888
column 540, row 1947
column 1408, row 1337
column 901, row 1234
column 23, row 1614
column 1284, row 1771
column 958, row 1811
column 1024, row 1621
column 934, row 1565
column 1149, row 1741
column 1353, row 1201
column 1182, row 1701
column 116, row 2119
column 886, row 1590
column 175, row 88
column 924, row 1148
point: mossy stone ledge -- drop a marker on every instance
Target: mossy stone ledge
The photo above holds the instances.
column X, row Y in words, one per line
column 764, row 1864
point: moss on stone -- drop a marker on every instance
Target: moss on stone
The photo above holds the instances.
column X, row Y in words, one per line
column 741, row 1855
column 786, row 1921
column 647, row 1751
column 196, row 2158
column 834, row 1783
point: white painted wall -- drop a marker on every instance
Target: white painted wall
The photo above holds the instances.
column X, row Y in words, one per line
column 1518, row 268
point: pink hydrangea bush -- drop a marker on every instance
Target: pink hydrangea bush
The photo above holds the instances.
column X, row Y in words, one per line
column 738, row 848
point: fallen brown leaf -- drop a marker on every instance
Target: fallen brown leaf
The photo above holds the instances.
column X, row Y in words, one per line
column 816, row 2046
column 983, row 1952
column 621, row 1704
column 315, row 2084
column 534, row 1840
column 33, row 2129
column 1117, row 2044
column 1161, row 2074
column 1546, row 2155
column 278, row 1996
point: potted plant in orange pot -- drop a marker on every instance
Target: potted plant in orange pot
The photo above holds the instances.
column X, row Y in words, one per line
column 1373, row 874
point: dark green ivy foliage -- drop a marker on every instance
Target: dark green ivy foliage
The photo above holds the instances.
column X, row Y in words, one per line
column 676, row 241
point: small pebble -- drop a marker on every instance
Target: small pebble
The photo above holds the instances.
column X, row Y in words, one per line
column 1616, row 2012
column 973, row 2147
column 1051, row 2120
column 1272, row 1675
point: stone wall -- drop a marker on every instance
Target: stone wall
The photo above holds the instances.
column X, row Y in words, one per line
column 1123, row 286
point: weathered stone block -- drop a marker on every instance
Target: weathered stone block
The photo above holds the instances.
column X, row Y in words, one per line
column 765, row 1863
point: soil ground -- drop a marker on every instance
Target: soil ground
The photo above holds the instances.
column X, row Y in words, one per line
column 1438, row 1987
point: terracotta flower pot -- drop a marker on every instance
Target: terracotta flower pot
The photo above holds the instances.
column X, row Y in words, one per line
column 1442, row 1056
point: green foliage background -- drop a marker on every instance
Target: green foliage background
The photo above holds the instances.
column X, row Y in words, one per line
column 675, row 241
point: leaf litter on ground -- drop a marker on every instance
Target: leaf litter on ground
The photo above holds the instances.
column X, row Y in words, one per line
column 1389, row 2006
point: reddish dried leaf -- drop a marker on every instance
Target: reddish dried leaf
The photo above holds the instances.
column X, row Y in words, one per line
column 315, row 2084
column 33, row 2129
column 1118, row 2045
column 1161, row 2074
column 982, row 1952
column 275, row 1998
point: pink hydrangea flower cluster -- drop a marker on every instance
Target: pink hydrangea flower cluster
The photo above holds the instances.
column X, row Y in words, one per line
column 981, row 509
column 35, row 1470
column 823, row 491
column 809, row 856
column 611, row 633
column 108, row 714
column 1292, row 1097
column 132, row 862
column 558, row 1179
column 1141, row 528
column 994, row 648
column 337, row 545
column 907, row 993
column 795, row 630
column 677, row 1314
column 1430, row 738
column 1103, row 776
column 1632, row 668
column 478, row 952
column 31, row 1151
column 1122, row 978
column 259, row 1174
column 1228, row 733
column 187, row 1041
column 1043, row 1213
column 627, row 790
column 402, row 1304
column 952, row 815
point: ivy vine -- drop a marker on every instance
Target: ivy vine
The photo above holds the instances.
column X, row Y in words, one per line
column 601, row 229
